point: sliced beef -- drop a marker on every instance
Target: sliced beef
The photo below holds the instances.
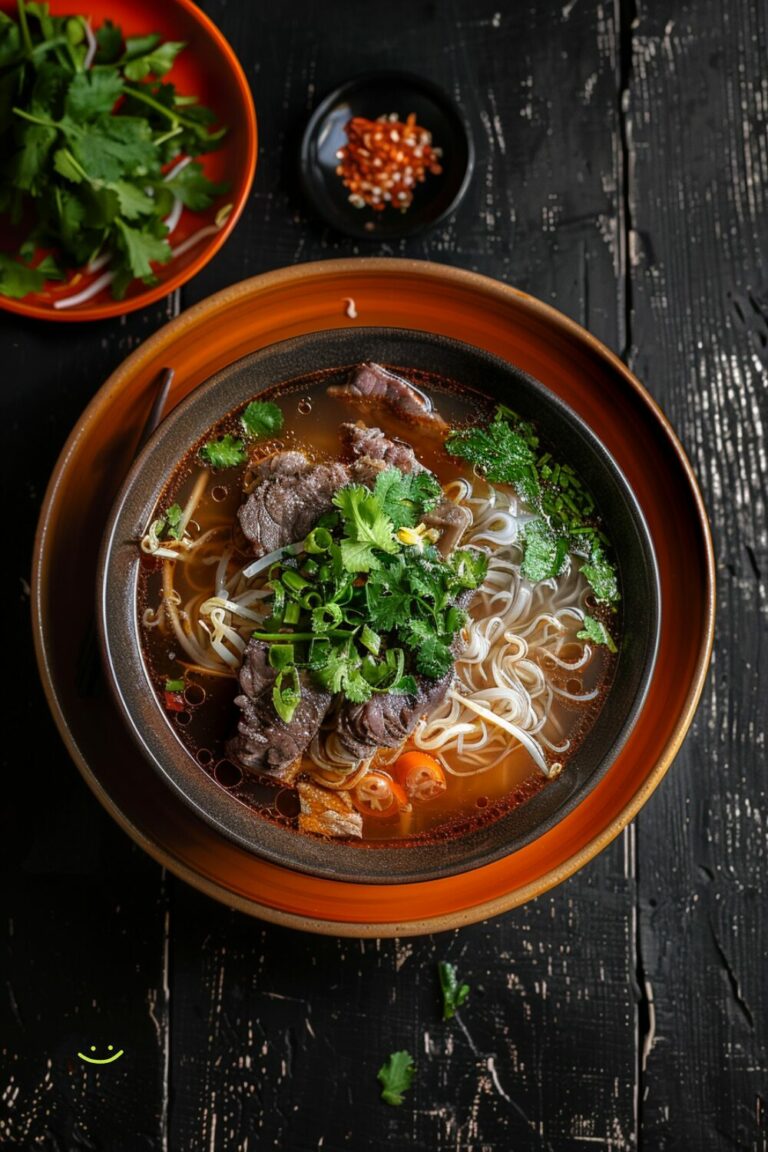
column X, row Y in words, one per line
column 386, row 720
column 371, row 385
column 452, row 521
column 373, row 451
column 288, row 499
column 264, row 743
column 327, row 813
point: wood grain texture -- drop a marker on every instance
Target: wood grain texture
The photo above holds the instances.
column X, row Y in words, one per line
column 700, row 321
column 621, row 176
column 83, row 910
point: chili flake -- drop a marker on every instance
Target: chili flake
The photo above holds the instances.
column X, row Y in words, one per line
column 384, row 160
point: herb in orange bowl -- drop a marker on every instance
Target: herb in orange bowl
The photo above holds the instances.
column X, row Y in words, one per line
column 129, row 145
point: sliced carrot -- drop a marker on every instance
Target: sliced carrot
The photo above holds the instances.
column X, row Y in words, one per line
column 378, row 795
column 421, row 776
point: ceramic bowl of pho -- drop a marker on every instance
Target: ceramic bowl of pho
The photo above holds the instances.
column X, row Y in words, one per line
column 377, row 605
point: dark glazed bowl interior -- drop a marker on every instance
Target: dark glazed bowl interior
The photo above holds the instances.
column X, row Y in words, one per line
column 371, row 96
column 129, row 678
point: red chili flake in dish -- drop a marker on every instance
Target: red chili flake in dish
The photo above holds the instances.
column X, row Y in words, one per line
column 174, row 702
column 384, row 160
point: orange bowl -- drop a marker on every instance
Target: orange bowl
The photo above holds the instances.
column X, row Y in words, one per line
column 208, row 69
column 387, row 293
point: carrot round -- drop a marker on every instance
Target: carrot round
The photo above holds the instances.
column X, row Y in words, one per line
column 421, row 776
column 378, row 795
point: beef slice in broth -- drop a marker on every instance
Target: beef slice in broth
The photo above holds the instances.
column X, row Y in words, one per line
column 371, row 385
column 387, row 719
column 289, row 497
column 264, row 743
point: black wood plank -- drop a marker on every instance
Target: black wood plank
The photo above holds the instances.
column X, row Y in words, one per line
column 83, row 910
column 277, row 1037
column 696, row 122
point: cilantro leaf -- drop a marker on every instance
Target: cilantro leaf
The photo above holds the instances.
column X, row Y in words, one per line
column 27, row 167
column 602, row 576
column 92, row 93
column 396, row 1077
column 110, row 41
column 261, row 418
column 226, row 452
column 405, row 498
column 195, row 190
column 544, row 552
column 388, row 597
column 173, row 520
column 470, row 567
column 597, row 632
column 133, row 200
column 503, row 455
column 367, row 528
column 454, row 994
column 18, row 280
column 140, row 247
column 156, row 61
column 433, row 658
column 111, row 147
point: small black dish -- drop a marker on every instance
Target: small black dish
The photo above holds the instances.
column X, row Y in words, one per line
column 373, row 95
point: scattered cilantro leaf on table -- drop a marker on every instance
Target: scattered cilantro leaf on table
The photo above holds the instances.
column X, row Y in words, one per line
column 454, row 994
column 396, row 1077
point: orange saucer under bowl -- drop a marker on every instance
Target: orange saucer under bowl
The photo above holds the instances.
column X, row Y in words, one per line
column 394, row 294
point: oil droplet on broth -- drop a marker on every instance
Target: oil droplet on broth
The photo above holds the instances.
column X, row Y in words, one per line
column 304, row 406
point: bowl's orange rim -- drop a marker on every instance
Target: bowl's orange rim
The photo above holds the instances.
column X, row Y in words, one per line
column 150, row 350
column 121, row 307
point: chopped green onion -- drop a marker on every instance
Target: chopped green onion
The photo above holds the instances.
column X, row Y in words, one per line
column 319, row 540
column 281, row 656
column 174, row 685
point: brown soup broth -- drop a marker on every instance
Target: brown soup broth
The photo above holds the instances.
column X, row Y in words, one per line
column 207, row 716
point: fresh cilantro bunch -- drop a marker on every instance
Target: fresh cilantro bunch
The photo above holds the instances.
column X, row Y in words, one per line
column 369, row 601
column 506, row 452
column 88, row 127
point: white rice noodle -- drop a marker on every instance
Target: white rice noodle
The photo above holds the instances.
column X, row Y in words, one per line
column 195, row 497
column 509, row 675
column 185, row 639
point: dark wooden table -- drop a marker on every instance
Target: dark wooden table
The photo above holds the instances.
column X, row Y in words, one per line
column 622, row 176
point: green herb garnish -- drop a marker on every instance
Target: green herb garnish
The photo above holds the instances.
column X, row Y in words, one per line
column 597, row 632
column 261, row 418
column 454, row 994
column 226, row 452
column 86, row 140
column 362, row 599
column 396, row 1077
column 173, row 521
column 506, row 452
column 174, row 685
